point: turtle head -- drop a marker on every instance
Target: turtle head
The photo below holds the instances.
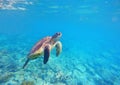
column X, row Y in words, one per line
column 56, row 36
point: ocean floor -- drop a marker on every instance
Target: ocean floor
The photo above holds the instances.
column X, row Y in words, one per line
column 74, row 66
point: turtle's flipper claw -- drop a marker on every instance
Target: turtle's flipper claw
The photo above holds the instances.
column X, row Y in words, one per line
column 46, row 54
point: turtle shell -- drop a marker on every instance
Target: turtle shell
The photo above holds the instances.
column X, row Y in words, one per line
column 39, row 45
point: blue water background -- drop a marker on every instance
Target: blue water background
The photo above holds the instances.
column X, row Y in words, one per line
column 90, row 38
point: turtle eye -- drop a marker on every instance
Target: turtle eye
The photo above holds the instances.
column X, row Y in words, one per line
column 58, row 33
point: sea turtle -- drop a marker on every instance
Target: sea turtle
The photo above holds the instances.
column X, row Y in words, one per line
column 44, row 46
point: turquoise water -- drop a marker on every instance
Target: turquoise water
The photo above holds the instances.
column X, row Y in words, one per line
column 90, row 39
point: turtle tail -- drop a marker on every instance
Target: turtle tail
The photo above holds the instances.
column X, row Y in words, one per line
column 26, row 63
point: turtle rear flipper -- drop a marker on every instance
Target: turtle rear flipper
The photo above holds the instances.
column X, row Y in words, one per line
column 46, row 54
column 26, row 63
column 58, row 46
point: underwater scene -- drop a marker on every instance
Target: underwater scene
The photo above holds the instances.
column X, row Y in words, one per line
column 59, row 42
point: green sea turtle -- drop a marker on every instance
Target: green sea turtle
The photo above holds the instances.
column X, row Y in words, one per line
column 44, row 46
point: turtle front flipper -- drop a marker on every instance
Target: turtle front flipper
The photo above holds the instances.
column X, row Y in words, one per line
column 46, row 53
column 58, row 46
column 26, row 63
